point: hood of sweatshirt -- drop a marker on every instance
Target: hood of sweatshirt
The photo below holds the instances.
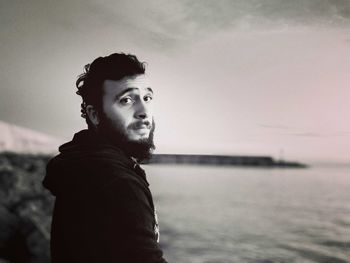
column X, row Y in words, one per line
column 86, row 162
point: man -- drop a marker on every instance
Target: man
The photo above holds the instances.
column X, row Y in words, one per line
column 104, row 210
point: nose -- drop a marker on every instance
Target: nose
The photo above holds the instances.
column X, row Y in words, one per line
column 142, row 111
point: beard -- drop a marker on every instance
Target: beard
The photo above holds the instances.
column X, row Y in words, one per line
column 141, row 149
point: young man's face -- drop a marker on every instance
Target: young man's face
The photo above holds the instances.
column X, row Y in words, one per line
column 127, row 111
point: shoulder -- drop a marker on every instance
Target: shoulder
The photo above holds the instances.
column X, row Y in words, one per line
column 92, row 168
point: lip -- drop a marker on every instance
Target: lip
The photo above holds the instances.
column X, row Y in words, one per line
column 142, row 127
column 146, row 125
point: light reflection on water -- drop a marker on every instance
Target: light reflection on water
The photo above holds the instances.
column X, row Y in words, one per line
column 227, row 214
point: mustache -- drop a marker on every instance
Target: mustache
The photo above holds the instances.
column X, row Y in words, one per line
column 140, row 124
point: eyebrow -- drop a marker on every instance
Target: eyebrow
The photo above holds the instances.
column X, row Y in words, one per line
column 130, row 89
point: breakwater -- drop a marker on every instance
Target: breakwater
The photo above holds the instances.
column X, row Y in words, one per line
column 260, row 161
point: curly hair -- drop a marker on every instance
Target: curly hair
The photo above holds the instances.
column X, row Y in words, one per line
column 113, row 67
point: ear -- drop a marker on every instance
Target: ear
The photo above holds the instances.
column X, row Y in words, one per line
column 92, row 114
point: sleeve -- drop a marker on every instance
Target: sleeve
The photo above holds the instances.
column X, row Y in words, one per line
column 128, row 222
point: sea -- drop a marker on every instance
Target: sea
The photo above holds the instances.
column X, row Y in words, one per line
column 223, row 214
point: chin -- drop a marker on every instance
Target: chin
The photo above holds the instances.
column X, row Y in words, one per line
column 136, row 144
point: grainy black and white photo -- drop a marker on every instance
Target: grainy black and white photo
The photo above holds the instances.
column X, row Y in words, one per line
column 191, row 131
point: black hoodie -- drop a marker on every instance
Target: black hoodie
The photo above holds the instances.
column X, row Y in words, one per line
column 104, row 210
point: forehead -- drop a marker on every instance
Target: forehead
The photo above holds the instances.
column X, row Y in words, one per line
column 141, row 82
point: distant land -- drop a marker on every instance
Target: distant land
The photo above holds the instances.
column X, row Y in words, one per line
column 14, row 138
column 259, row 161
column 22, row 140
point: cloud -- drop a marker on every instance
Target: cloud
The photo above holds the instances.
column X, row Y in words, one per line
column 292, row 131
column 178, row 21
column 320, row 134
column 164, row 24
column 308, row 134
column 255, row 12
column 274, row 126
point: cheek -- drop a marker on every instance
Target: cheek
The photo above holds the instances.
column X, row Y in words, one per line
column 120, row 118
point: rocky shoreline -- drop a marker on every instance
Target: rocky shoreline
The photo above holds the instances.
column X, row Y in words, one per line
column 25, row 209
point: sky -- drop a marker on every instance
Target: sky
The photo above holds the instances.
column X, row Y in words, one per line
column 239, row 77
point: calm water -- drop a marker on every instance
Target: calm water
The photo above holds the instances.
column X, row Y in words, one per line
column 224, row 214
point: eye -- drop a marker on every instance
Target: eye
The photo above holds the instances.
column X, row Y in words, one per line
column 147, row 98
column 126, row 101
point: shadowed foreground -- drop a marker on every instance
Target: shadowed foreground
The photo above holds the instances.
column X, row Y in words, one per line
column 25, row 209
column 207, row 213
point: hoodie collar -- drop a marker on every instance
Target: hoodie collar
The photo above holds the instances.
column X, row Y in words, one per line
column 86, row 139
